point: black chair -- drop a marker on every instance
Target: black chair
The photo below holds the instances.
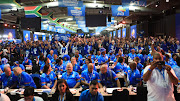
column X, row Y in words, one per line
column 13, row 97
column 37, row 80
column 142, row 93
column 120, row 95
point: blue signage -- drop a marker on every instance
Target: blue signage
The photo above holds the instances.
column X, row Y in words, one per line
column 44, row 26
column 76, row 11
column 70, row 3
column 134, row 2
column 63, row 37
column 35, row 37
column 50, row 28
column 60, row 30
column 114, row 34
column 124, row 32
column 26, row 35
column 119, row 33
column 43, row 37
column 50, row 37
column 0, row 13
column 118, row 10
column 133, row 31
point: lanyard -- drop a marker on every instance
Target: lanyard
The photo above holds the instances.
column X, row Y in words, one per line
column 62, row 98
column 161, row 72
column 90, row 75
column 9, row 78
column 33, row 98
column 19, row 80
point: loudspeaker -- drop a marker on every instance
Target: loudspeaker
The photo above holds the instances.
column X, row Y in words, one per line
column 109, row 18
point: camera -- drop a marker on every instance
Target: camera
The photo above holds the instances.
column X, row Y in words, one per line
column 161, row 63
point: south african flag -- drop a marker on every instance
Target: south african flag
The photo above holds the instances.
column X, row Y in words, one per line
column 33, row 11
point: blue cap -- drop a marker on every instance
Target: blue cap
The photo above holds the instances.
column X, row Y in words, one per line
column 4, row 61
column 16, row 63
column 67, row 56
column 102, row 50
column 25, row 58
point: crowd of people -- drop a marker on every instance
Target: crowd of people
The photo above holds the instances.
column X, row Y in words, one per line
column 151, row 60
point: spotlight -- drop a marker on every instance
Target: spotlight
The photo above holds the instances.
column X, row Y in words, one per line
column 14, row 26
column 157, row 4
column 5, row 25
column 28, row 28
column 123, row 22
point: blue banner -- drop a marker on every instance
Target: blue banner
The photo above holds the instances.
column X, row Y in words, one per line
column 76, row 11
column 110, row 34
column 133, row 31
column 35, row 37
column 0, row 13
column 70, row 3
column 118, row 10
column 134, row 2
column 50, row 28
column 114, row 34
column 10, row 34
column 100, row 29
column 92, row 34
column 124, row 32
column 63, row 37
column 43, row 37
column 50, row 37
column 44, row 26
column 26, row 35
column 119, row 33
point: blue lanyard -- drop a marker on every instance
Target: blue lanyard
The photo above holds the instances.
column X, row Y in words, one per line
column 33, row 99
column 90, row 75
column 62, row 98
column 161, row 72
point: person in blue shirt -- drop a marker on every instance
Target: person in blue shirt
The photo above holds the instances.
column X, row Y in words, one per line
column 77, row 53
column 4, row 61
column 27, row 52
column 72, row 77
column 66, row 59
column 108, row 77
column 92, row 94
column 48, row 78
column 139, row 65
column 53, row 61
column 167, row 62
column 8, row 78
column 58, row 67
column 16, row 64
column 85, row 66
column 93, row 57
column 172, row 61
column 46, row 61
column 111, row 45
column 132, row 55
column 23, row 78
column 132, row 75
column 111, row 55
column 27, row 62
column 55, row 49
column 76, row 66
column 89, row 57
column 140, row 56
column 98, row 54
column 35, row 51
column 103, row 58
column 51, row 55
column 118, row 68
column 88, row 75
column 41, row 60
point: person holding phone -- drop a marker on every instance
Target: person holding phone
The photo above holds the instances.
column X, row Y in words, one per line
column 160, row 79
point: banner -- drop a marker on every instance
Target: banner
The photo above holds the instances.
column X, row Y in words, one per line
column 9, row 34
column 44, row 26
column 50, row 37
column 9, row 4
column 110, row 34
column 50, row 28
column 134, row 2
column 119, row 33
column 43, row 37
column 0, row 13
column 60, row 30
column 70, row 3
column 76, row 11
column 124, row 32
column 114, row 34
column 35, row 37
column 33, row 11
column 26, row 35
column 46, row 16
column 63, row 37
column 133, row 31
column 118, row 10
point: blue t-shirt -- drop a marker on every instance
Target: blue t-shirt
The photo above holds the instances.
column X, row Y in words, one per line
column 71, row 79
column 24, row 79
column 51, row 78
column 102, row 59
column 87, row 96
column 85, row 67
column 77, row 68
column 28, row 63
column 50, row 57
column 20, row 65
column 8, row 81
column 118, row 68
column 60, row 68
column 132, row 56
column 88, row 77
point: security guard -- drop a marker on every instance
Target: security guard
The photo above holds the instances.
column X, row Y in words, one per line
column 48, row 78
column 72, row 77
column 88, row 75
column 132, row 75
column 108, row 77
column 8, row 78
column 23, row 78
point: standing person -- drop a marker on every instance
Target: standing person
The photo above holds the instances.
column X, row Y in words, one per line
column 92, row 94
column 160, row 79
column 64, row 49
column 62, row 92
